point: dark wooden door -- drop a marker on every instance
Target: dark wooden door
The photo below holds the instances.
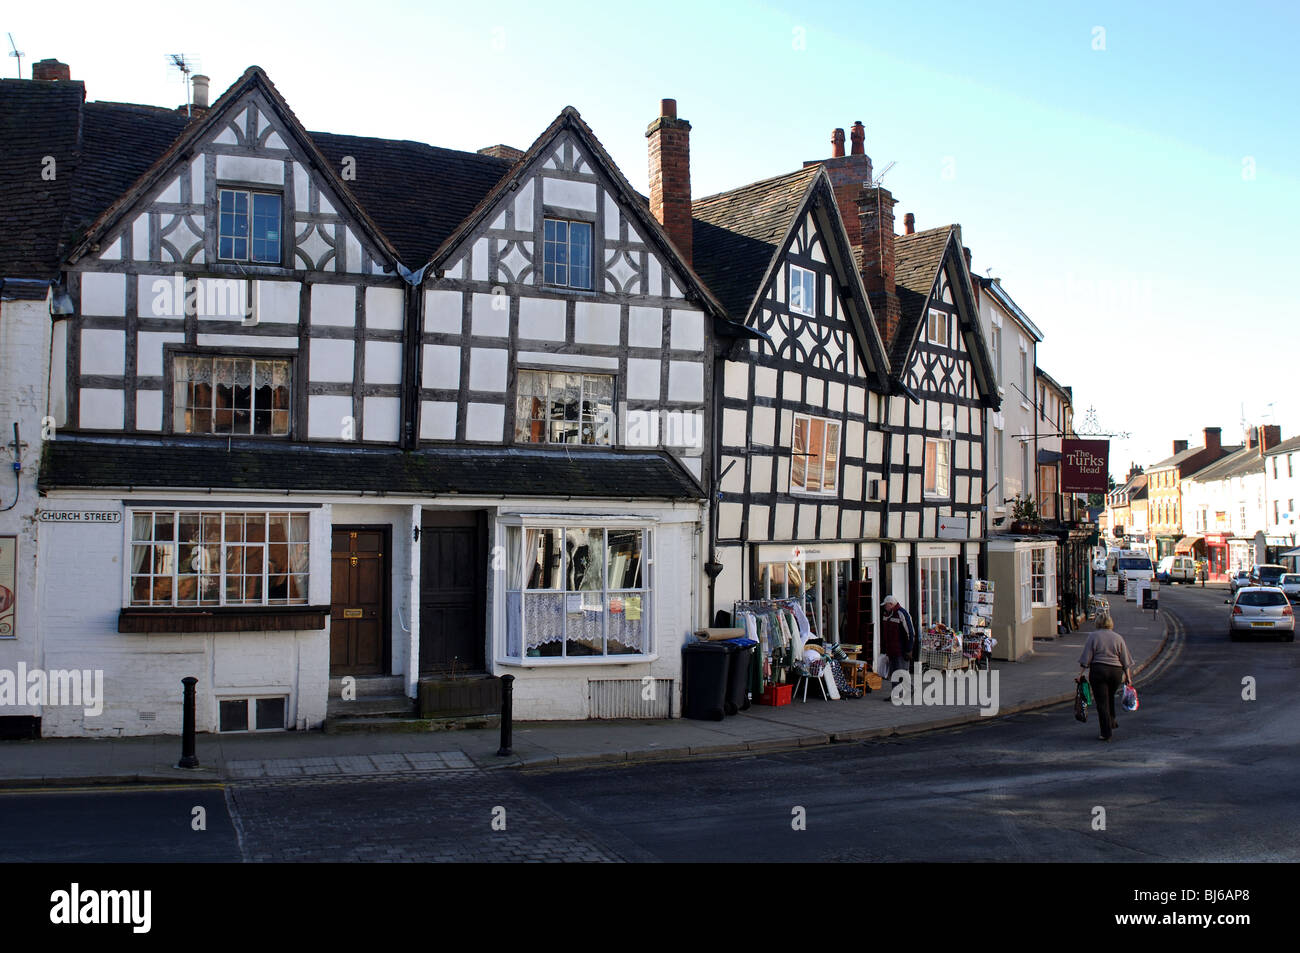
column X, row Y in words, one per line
column 359, row 633
column 452, row 592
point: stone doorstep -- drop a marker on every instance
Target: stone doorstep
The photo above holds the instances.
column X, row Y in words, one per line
column 393, row 706
column 368, row 685
column 410, row 723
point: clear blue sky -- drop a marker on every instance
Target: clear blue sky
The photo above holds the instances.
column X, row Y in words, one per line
column 1138, row 200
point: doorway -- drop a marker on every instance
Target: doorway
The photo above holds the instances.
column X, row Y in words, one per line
column 360, row 636
column 453, row 592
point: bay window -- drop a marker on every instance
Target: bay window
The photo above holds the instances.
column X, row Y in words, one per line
column 213, row 558
column 577, row 592
column 1043, row 576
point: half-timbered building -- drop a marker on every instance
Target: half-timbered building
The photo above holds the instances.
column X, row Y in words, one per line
column 800, row 451
column 935, row 509
column 339, row 417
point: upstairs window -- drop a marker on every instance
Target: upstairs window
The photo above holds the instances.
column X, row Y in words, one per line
column 938, row 468
column 566, row 248
column 238, row 396
column 555, row 407
column 937, row 328
column 249, row 226
column 803, row 291
column 996, row 345
column 814, row 461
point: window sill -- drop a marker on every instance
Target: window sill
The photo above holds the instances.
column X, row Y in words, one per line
column 581, row 661
column 174, row 619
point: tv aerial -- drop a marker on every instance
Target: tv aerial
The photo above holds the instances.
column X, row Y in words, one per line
column 19, row 54
column 185, row 65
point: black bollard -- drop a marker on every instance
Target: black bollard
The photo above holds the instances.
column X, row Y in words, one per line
column 507, row 706
column 188, row 758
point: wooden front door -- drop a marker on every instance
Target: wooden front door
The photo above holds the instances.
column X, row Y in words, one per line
column 359, row 634
column 453, row 592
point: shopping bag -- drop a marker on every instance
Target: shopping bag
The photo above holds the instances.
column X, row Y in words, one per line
column 1087, row 692
column 1080, row 706
column 1129, row 698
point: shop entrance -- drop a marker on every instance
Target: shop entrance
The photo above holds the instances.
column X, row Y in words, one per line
column 839, row 597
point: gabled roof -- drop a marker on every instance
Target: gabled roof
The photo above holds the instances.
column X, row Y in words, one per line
column 737, row 235
column 569, row 120
column 740, row 237
column 1178, row 458
column 254, row 78
column 917, row 260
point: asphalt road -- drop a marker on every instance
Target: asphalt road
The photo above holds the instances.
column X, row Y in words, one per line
column 1197, row 774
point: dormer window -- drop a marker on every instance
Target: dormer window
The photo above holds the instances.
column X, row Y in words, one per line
column 250, row 226
column 566, row 249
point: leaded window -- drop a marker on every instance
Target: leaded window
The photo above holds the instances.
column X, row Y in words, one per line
column 563, row 407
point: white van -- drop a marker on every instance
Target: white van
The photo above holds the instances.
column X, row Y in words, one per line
column 1176, row 569
column 1129, row 564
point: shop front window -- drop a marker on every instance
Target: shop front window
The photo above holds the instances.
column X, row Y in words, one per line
column 577, row 592
column 938, row 590
column 1043, row 576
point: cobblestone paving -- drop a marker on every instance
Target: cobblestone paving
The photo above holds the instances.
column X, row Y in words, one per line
column 443, row 816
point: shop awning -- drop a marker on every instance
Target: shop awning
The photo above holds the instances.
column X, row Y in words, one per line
column 1186, row 544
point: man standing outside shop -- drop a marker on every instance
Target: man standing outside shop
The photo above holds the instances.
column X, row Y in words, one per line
column 898, row 635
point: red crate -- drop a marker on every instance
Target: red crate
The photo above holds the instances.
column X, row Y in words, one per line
column 777, row 695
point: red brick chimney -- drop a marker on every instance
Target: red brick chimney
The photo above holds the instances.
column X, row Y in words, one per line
column 876, row 223
column 1270, row 435
column 51, row 70
column 1212, row 440
column 1180, row 446
column 909, row 224
column 670, row 175
column 848, row 175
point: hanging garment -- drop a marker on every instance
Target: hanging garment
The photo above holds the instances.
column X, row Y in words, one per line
column 841, row 682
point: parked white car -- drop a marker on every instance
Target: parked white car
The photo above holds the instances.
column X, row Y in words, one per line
column 1261, row 610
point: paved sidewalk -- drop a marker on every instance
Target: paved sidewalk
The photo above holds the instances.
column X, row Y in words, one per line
column 1046, row 678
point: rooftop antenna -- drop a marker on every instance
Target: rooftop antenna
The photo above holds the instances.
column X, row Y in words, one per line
column 185, row 65
column 18, row 53
column 880, row 245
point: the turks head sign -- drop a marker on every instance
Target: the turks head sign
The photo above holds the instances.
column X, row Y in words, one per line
column 1084, row 466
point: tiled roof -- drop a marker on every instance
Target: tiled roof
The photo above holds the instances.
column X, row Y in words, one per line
column 157, row 463
column 416, row 193
column 736, row 234
column 37, row 119
column 1177, row 458
column 917, row 258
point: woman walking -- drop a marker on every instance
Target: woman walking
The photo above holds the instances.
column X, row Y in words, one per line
column 1106, row 664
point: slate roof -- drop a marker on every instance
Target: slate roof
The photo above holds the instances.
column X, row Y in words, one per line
column 1286, row 446
column 736, row 233
column 1239, row 461
column 917, row 258
column 156, row 463
column 1177, row 458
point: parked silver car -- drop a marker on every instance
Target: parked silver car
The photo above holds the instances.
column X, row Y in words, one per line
column 1238, row 579
column 1261, row 610
column 1290, row 584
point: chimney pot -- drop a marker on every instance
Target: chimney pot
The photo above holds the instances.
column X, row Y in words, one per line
column 51, row 69
column 670, row 176
column 858, row 137
column 909, row 223
column 837, row 143
column 200, row 84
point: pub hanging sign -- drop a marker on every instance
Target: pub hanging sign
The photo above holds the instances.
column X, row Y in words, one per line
column 1085, row 466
